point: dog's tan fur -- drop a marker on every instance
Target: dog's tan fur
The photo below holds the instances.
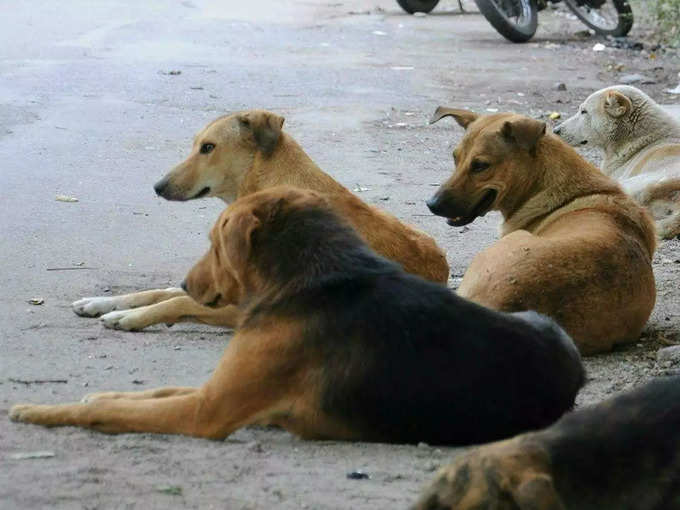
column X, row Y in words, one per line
column 252, row 153
column 640, row 143
column 574, row 246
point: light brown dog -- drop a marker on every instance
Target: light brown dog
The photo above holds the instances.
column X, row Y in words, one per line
column 237, row 155
column 336, row 341
column 573, row 245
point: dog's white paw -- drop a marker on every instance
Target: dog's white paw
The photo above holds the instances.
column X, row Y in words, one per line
column 127, row 320
column 94, row 306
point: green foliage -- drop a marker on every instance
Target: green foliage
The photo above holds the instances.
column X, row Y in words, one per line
column 667, row 13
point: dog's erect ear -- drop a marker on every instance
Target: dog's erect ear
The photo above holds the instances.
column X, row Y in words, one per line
column 265, row 127
column 236, row 240
column 537, row 492
column 616, row 104
column 524, row 132
column 463, row 117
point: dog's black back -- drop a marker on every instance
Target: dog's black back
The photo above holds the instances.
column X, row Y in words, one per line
column 404, row 359
column 623, row 453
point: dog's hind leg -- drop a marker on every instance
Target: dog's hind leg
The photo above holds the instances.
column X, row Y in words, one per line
column 96, row 306
column 262, row 375
column 177, row 309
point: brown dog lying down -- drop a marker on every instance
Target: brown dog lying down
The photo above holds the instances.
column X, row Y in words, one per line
column 338, row 342
column 622, row 454
column 573, row 246
column 237, row 155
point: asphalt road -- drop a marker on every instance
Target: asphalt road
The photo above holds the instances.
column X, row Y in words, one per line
column 99, row 99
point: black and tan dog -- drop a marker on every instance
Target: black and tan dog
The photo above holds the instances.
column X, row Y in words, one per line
column 623, row 454
column 573, row 245
column 338, row 342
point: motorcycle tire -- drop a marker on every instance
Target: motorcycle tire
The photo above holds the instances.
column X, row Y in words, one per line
column 511, row 30
column 620, row 28
column 412, row 6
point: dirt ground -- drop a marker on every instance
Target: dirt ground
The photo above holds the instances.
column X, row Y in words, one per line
column 99, row 99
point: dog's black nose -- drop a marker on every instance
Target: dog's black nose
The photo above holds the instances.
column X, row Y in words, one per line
column 184, row 286
column 557, row 129
column 434, row 205
column 160, row 186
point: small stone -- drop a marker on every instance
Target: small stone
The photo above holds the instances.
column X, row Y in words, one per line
column 561, row 86
column 668, row 355
column 357, row 475
column 423, row 445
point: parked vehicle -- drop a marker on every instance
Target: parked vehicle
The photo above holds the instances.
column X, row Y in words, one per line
column 517, row 20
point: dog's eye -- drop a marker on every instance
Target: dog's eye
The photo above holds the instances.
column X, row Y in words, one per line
column 207, row 148
column 479, row 166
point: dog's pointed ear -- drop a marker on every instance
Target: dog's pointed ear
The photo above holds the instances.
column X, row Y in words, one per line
column 265, row 127
column 616, row 104
column 524, row 132
column 537, row 492
column 463, row 117
column 236, row 234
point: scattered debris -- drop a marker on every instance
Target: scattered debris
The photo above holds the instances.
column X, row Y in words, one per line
column 172, row 490
column 554, row 115
column 402, row 68
column 65, row 198
column 419, row 14
column 584, row 34
column 599, row 47
column 45, row 454
column 357, row 475
column 669, row 355
column 629, row 79
column 624, row 43
column 561, row 86
column 196, row 88
column 379, row 32
column 36, row 301
column 137, row 381
column 360, row 189
column 174, row 72
column 38, row 381
column 68, row 268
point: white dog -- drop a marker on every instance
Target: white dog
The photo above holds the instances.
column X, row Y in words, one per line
column 641, row 147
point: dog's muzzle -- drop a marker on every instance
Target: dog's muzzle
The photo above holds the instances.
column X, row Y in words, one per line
column 441, row 204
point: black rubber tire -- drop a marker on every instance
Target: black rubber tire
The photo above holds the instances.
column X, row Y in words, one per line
column 412, row 6
column 625, row 21
column 504, row 26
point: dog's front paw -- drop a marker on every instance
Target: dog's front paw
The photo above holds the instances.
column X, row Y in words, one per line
column 22, row 412
column 94, row 306
column 126, row 320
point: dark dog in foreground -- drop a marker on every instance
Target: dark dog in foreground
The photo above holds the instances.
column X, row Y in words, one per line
column 622, row 454
column 338, row 342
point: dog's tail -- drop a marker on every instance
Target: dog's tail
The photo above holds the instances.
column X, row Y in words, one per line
column 663, row 202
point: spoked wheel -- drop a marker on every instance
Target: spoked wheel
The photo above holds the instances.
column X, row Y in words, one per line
column 606, row 17
column 515, row 20
column 412, row 6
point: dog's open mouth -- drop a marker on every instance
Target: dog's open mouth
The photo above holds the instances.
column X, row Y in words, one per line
column 213, row 303
column 480, row 209
column 203, row 192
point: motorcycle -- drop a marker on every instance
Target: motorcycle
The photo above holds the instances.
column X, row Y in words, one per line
column 517, row 20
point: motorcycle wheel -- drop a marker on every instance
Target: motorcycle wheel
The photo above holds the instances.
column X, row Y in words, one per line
column 515, row 20
column 613, row 17
column 412, row 6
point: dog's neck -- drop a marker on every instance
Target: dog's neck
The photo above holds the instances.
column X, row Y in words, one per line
column 290, row 165
column 647, row 125
column 557, row 181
